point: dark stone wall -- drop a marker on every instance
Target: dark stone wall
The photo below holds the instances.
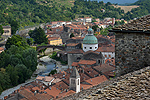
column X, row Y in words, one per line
column 132, row 52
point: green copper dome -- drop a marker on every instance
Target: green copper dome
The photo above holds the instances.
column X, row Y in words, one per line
column 90, row 29
column 90, row 39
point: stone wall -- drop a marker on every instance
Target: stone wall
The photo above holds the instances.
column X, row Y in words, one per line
column 132, row 52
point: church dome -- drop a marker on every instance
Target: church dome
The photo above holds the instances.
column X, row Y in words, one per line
column 90, row 39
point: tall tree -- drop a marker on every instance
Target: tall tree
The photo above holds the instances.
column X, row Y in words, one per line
column 38, row 35
column 1, row 30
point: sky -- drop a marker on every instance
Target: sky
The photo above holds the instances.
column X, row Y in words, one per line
column 119, row 1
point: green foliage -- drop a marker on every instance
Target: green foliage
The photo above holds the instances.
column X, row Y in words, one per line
column 1, row 30
column 16, row 40
column 95, row 27
column 30, row 41
column 14, row 26
column 144, row 9
column 72, row 35
column 54, row 56
column 38, row 35
column 105, row 30
column 53, row 72
column 17, row 65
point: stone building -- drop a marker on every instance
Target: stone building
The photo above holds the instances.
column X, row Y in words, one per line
column 132, row 45
column 7, row 31
column 65, row 34
column 74, row 80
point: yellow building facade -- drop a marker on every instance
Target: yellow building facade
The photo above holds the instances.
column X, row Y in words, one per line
column 54, row 41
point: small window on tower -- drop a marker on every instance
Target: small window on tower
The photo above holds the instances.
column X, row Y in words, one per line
column 95, row 47
column 90, row 47
column 84, row 47
column 78, row 81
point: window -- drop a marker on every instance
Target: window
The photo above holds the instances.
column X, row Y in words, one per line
column 84, row 47
column 95, row 47
column 78, row 81
column 105, row 55
column 109, row 55
column 90, row 47
column 72, row 81
column 99, row 61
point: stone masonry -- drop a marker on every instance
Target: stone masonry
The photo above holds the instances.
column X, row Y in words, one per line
column 132, row 45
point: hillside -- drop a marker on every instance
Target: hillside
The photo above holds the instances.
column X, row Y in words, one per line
column 126, row 8
column 31, row 12
column 144, row 9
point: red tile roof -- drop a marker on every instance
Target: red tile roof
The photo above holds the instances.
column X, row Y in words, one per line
column 40, row 78
column 91, row 72
column 72, row 44
column 85, row 86
column 104, row 68
column 97, row 80
column 106, row 49
column 1, row 49
column 48, row 78
column 74, row 64
column 87, row 62
column 54, row 91
column 61, row 85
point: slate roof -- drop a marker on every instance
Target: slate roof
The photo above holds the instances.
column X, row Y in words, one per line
column 74, row 73
column 141, row 24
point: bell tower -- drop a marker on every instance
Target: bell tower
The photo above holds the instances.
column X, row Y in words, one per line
column 74, row 80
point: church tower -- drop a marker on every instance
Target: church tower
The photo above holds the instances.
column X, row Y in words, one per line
column 90, row 42
column 74, row 80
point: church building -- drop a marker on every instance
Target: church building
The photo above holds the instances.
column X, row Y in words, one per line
column 89, row 46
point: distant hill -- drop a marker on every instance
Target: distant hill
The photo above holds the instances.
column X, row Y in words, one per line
column 30, row 12
column 144, row 9
column 119, row 1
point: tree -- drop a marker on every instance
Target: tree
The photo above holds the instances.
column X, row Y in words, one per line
column 95, row 27
column 72, row 35
column 1, row 30
column 14, row 26
column 16, row 40
column 38, row 35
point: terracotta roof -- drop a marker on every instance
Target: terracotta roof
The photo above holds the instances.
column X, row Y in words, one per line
column 1, row 48
column 61, row 85
column 91, row 72
column 77, row 38
column 74, row 64
column 85, row 86
column 76, row 51
column 141, row 24
column 83, row 77
column 97, row 80
column 106, row 49
column 27, row 94
column 40, row 78
column 54, row 91
column 56, row 80
column 87, row 62
column 43, row 96
column 104, row 68
column 72, row 44
column 48, row 78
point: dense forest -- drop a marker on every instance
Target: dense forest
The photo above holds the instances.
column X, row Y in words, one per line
column 29, row 12
column 17, row 62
